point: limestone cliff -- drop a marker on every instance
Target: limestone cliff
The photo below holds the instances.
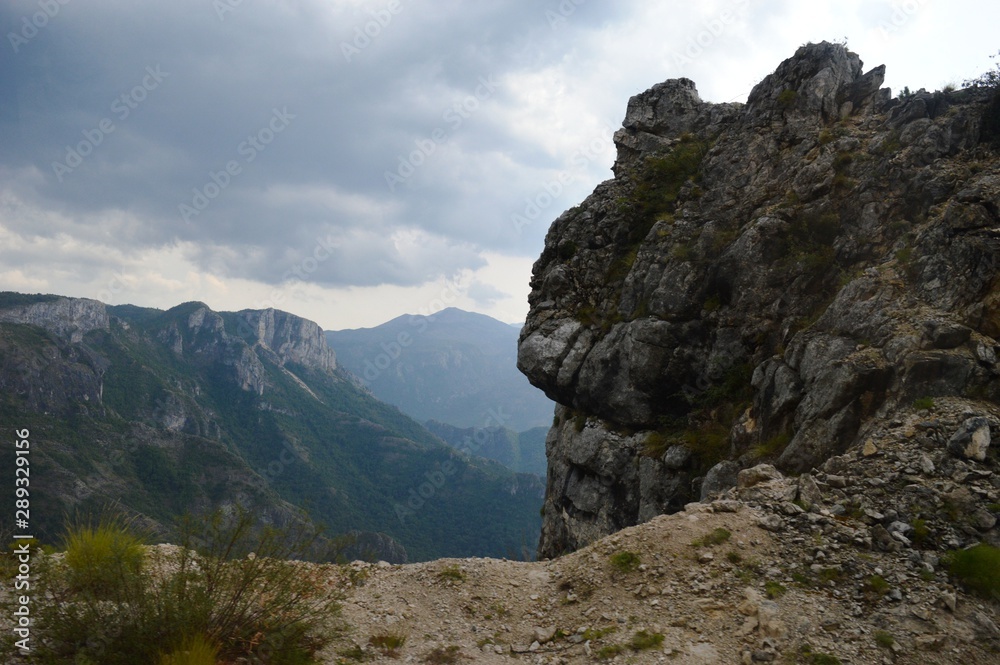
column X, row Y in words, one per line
column 768, row 281
column 66, row 317
column 291, row 338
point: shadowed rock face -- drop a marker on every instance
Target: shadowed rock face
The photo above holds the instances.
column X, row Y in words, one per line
column 760, row 281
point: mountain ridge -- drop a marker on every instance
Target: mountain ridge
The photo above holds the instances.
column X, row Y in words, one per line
column 191, row 409
column 452, row 366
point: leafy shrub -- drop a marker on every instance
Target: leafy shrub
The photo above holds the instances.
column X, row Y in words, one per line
column 773, row 446
column 774, row 590
column 989, row 131
column 659, row 183
column 978, row 569
column 195, row 651
column 717, row 537
column 709, row 441
column 610, row 651
column 594, row 634
column 99, row 556
column 388, row 643
column 180, row 605
column 625, row 562
column 816, row 657
column 924, row 403
column 884, row 639
column 875, row 587
column 452, row 573
column 443, row 655
column 644, row 640
column 656, row 444
column 786, row 98
column 921, row 532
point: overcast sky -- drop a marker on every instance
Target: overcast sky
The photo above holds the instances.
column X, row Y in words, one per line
column 353, row 161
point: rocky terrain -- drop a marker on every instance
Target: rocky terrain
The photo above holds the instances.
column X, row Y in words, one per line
column 772, row 338
column 777, row 569
column 771, row 282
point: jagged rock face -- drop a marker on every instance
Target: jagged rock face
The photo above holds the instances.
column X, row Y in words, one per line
column 65, row 317
column 291, row 338
column 760, row 281
column 279, row 336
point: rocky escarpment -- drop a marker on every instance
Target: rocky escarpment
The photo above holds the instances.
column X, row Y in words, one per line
column 762, row 282
column 66, row 317
column 251, row 337
column 291, row 338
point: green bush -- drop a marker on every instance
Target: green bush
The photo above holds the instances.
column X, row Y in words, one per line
column 710, row 442
column 716, row 537
column 924, row 403
column 610, row 651
column 989, row 131
column 235, row 591
column 875, row 587
column 786, row 98
column 773, row 446
column 774, row 589
column 195, row 651
column 99, row 556
column 659, row 182
column 452, row 573
column 817, row 657
column 626, row 561
column 644, row 640
column 443, row 655
column 921, row 532
column 388, row 643
column 978, row 569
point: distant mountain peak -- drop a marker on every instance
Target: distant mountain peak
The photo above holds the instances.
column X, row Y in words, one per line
column 453, row 366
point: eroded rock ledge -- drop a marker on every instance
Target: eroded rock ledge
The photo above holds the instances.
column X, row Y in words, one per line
column 761, row 282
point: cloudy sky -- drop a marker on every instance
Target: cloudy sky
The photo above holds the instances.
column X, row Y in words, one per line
column 351, row 161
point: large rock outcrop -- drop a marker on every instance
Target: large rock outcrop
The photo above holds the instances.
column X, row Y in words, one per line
column 291, row 338
column 761, row 282
column 66, row 317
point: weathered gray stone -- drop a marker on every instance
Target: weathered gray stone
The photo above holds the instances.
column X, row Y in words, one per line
column 761, row 305
column 761, row 473
column 972, row 440
column 719, row 478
